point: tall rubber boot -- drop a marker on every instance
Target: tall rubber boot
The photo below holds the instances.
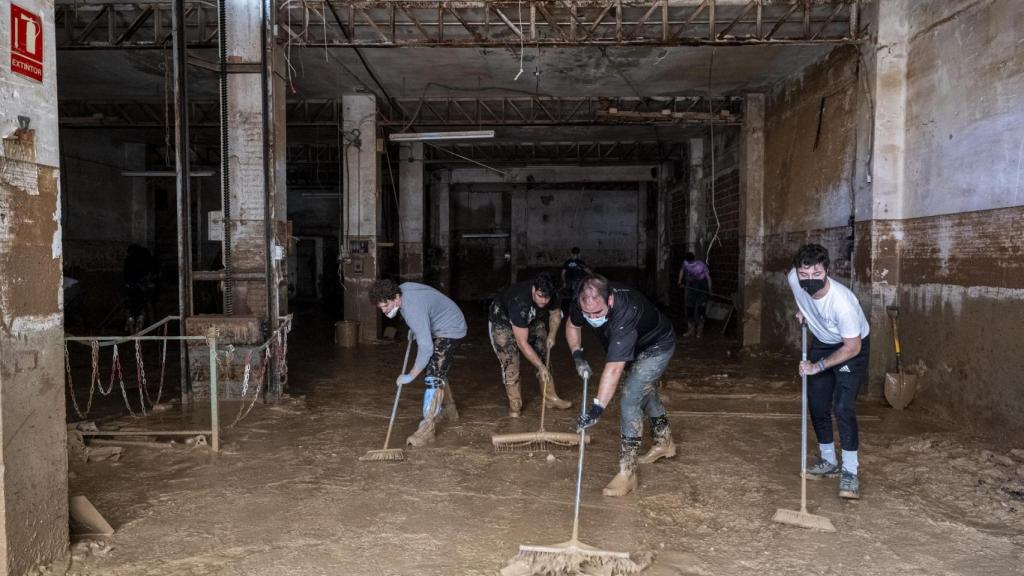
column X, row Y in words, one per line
column 663, row 446
column 433, row 399
column 626, row 480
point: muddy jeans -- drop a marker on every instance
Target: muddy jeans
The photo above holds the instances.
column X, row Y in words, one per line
column 441, row 360
column 640, row 393
column 505, row 347
column 838, row 385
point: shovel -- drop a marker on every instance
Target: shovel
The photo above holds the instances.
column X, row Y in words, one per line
column 899, row 387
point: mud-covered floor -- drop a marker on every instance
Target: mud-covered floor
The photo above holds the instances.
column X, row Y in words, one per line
column 288, row 496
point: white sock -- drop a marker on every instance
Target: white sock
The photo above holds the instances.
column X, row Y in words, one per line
column 828, row 452
column 850, row 463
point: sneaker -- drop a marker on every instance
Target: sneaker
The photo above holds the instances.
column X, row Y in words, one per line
column 823, row 469
column 849, row 486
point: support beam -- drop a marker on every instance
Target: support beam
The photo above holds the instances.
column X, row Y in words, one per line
column 752, row 224
column 411, row 213
column 33, row 428
column 695, row 232
column 442, row 262
column 362, row 211
column 557, row 174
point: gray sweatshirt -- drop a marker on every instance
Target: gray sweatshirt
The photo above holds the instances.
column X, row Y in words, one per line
column 429, row 314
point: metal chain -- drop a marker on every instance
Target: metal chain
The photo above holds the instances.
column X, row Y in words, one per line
column 140, row 376
column 120, row 378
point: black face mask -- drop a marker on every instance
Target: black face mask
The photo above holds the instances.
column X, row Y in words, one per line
column 812, row 286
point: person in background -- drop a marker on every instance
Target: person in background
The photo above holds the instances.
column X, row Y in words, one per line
column 696, row 278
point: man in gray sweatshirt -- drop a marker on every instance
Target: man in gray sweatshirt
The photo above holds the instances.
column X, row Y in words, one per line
column 438, row 325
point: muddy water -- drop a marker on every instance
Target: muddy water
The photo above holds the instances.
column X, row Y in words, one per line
column 288, row 495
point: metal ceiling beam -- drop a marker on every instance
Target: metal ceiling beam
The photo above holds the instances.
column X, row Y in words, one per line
column 482, row 23
column 436, row 112
column 501, row 23
column 603, row 152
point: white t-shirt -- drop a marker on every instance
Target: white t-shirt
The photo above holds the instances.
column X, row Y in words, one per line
column 836, row 316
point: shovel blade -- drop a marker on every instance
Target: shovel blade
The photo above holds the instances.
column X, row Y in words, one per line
column 899, row 390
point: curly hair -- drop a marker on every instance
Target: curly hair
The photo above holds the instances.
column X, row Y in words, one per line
column 544, row 285
column 811, row 255
column 384, row 290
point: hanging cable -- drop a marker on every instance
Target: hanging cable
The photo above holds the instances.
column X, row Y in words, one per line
column 714, row 175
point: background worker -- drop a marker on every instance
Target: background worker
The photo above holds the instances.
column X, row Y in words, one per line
column 524, row 319
column 438, row 326
column 836, row 365
column 639, row 341
column 695, row 276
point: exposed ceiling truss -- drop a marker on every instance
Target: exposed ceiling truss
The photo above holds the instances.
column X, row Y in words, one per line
column 552, row 152
column 434, row 112
column 498, row 23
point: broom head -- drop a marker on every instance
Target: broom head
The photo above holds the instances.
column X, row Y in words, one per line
column 573, row 556
column 391, row 454
column 803, row 519
column 528, row 441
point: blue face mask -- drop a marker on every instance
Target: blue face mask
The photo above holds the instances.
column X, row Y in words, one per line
column 597, row 322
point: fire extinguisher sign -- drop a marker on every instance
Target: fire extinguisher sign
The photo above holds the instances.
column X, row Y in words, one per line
column 26, row 43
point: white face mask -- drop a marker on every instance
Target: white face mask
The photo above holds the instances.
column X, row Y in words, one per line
column 392, row 313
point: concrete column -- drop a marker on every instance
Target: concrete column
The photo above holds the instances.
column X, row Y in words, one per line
column 255, row 180
column 641, row 236
column 362, row 211
column 141, row 226
column 881, row 210
column 695, row 218
column 752, row 214
column 411, row 214
column 519, row 243
column 443, row 233
column 664, row 236
column 33, row 441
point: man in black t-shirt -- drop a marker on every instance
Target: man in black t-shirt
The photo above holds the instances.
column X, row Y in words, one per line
column 525, row 318
column 640, row 341
column 574, row 270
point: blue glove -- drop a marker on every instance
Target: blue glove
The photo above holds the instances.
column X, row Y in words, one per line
column 582, row 366
column 591, row 417
column 403, row 379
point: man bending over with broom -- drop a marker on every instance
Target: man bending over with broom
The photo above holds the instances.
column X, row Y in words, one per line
column 640, row 341
column 438, row 325
column 836, row 363
column 524, row 318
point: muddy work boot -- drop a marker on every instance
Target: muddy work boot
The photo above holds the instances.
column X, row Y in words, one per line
column 849, row 486
column 433, row 400
column 663, row 446
column 625, row 481
column 822, row 469
column 423, row 435
column 548, row 390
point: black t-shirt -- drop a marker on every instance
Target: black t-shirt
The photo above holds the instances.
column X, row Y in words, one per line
column 575, row 271
column 635, row 328
column 516, row 306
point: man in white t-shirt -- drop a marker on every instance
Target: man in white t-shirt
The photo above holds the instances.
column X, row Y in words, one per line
column 837, row 362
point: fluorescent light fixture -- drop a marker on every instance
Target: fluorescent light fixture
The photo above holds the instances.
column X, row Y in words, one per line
column 429, row 136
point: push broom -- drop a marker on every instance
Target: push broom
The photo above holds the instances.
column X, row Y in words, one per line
column 573, row 556
column 802, row 518
column 392, row 454
column 541, row 439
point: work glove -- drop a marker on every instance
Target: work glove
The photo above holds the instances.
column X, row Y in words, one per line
column 590, row 418
column 544, row 375
column 582, row 366
column 403, row 379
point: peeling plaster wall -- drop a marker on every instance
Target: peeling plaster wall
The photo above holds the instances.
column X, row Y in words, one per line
column 961, row 246
column 810, row 128
column 33, row 451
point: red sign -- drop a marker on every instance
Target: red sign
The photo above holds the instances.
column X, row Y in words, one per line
column 26, row 43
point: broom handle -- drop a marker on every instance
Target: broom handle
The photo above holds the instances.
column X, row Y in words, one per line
column 803, row 422
column 398, row 392
column 579, row 471
column 544, row 390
